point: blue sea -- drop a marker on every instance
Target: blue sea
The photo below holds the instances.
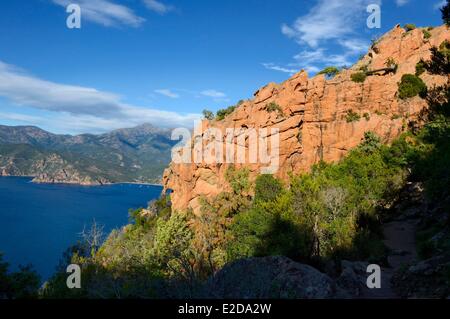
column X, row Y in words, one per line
column 38, row 222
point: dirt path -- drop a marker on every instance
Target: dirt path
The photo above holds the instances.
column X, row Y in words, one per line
column 400, row 239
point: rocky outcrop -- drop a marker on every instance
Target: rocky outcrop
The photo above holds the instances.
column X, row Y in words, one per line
column 313, row 115
column 282, row 278
column 47, row 168
column 270, row 277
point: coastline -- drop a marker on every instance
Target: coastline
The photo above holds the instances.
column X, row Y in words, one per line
column 81, row 184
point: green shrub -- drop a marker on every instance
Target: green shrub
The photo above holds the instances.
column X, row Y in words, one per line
column 359, row 77
column 366, row 116
column 269, row 229
column 352, row 116
column 371, row 143
column 391, row 63
column 409, row 27
column 330, row 71
column 208, row 115
column 267, row 188
column 221, row 114
column 420, row 68
column 22, row 284
column 273, row 107
column 426, row 34
column 364, row 68
column 444, row 48
column 410, row 86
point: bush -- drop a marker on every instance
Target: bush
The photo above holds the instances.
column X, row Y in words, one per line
column 221, row 114
column 366, row 116
column 371, row 143
column 267, row 188
column 22, row 284
column 328, row 213
column 274, row 107
column 208, row 115
column 269, row 229
column 330, row 71
column 409, row 27
column 352, row 116
column 426, row 34
column 444, row 48
column 420, row 68
column 410, row 86
column 359, row 77
column 391, row 63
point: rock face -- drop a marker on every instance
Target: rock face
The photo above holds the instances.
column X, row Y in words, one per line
column 282, row 278
column 313, row 115
column 270, row 277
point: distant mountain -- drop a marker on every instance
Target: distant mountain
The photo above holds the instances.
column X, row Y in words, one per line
column 137, row 154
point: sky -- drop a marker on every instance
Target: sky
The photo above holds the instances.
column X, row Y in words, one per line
column 164, row 61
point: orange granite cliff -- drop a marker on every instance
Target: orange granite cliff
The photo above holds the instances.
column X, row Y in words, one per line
column 313, row 116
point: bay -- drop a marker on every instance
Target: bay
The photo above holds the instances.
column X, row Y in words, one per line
column 38, row 222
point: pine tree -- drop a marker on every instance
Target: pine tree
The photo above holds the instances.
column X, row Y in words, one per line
column 446, row 13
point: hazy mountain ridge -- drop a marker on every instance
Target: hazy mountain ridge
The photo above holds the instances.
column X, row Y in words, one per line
column 137, row 154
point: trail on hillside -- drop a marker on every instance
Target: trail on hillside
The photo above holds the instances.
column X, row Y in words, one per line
column 400, row 239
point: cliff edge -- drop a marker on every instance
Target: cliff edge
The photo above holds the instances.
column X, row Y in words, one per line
column 319, row 118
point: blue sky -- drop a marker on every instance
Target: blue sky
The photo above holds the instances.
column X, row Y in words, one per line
column 164, row 61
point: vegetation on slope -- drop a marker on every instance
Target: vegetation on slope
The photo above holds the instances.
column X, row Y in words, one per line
column 22, row 284
column 127, row 155
column 331, row 213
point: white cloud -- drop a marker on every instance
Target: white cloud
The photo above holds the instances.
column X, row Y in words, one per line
column 158, row 6
column 213, row 94
column 168, row 93
column 105, row 12
column 274, row 67
column 25, row 89
column 80, row 106
column 311, row 69
column 401, row 2
column 440, row 4
column 354, row 46
column 328, row 20
column 308, row 58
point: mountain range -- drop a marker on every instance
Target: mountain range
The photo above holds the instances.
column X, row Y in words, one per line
column 135, row 155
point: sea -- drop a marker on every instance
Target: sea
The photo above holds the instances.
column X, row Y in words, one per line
column 39, row 222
